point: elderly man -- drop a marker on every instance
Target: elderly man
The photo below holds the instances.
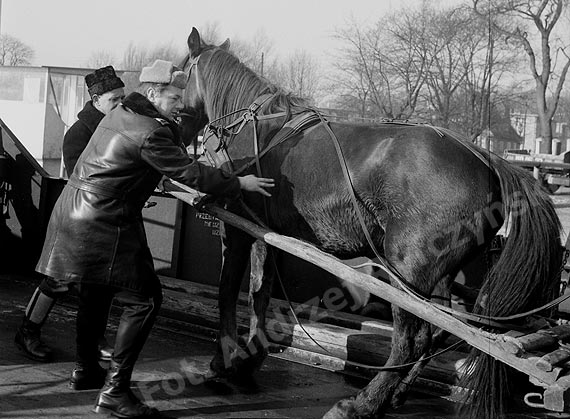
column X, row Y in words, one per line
column 106, row 91
column 96, row 234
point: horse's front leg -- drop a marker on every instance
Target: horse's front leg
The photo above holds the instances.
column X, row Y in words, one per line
column 261, row 282
column 236, row 250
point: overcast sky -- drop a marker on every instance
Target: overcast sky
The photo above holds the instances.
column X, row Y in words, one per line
column 67, row 32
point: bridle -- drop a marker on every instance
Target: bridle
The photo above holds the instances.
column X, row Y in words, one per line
column 193, row 63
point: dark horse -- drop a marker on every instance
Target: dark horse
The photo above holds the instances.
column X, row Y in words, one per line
column 429, row 200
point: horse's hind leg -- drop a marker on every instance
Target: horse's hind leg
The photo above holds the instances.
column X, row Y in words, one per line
column 411, row 337
column 236, row 255
column 440, row 295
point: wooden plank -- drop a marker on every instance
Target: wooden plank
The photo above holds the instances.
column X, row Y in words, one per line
column 540, row 340
column 489, row 343
column 22, row 148
column 302, row 310
column 427, row 385
column 196, row 304
column 548, row 361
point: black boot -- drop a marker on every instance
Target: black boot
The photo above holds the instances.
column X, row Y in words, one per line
column 28, row 336
column 117, row 399
column 105, row 350
column 28, row 340
column 87, row 377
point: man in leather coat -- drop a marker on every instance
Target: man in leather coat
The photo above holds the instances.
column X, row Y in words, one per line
column 96, row 236
column 106, row 91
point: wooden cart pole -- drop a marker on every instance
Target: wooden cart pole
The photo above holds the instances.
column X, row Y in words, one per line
column 490, row 343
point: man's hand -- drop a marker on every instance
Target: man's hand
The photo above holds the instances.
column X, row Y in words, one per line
column 252, row 183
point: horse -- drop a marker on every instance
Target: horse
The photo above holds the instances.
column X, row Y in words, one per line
column 420, row 197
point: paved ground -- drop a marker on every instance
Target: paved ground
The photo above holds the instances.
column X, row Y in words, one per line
column 282, row 389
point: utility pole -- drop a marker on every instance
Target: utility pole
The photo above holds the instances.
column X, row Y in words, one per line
column 0, row 17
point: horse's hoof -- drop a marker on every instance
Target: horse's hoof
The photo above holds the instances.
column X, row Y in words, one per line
column 210, row 375
column 343, row 409
column 218, row 368
column 249, row 366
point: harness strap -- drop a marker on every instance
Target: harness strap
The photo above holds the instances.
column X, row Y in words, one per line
column 251, row 114
column 300, row 122
column 352, row 194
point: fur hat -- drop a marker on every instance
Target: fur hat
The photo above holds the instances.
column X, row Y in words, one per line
column 102, row 81
column 164, row 72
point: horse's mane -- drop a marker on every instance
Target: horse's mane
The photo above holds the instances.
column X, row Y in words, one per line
column 233, row 86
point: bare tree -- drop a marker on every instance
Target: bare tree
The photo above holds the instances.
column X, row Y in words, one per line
column 384, row 66
column 548, row 55
column 453, row 43
column 482, row 91
column 299, row 74
column 14, row 52
column 136, row 57
column 210, row 33
column 467, row 64
column 101, row 58
column 257, row 54
column 439, row 65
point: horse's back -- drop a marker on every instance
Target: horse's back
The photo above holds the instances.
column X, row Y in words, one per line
column 411, row 165
column 407, row 178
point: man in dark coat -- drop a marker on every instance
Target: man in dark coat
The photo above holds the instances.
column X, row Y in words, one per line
column 106, row 91
column 96, row 235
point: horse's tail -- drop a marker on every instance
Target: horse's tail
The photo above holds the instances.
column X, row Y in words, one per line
column 525, row 277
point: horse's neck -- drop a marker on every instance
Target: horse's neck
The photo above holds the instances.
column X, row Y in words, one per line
column 240, row 100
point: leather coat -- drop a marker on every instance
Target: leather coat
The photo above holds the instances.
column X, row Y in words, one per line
column 96, row 232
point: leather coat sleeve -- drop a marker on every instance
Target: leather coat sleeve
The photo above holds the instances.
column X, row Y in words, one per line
column 161, row 153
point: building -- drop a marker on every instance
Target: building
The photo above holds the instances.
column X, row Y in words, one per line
column 39, row 104
column 528, row 127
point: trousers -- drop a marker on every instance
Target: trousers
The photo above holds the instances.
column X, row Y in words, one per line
column 139, row 312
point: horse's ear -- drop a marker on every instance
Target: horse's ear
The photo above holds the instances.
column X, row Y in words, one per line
column 226, row 44
column 194, row 43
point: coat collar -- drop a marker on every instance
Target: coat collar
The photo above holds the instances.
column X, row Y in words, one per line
column 142, row 106
column 90, row 116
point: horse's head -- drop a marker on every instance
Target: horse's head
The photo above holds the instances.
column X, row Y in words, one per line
column 198, row 55
column 194, row 116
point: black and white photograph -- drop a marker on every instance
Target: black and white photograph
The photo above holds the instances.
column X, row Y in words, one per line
column 285, row 209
